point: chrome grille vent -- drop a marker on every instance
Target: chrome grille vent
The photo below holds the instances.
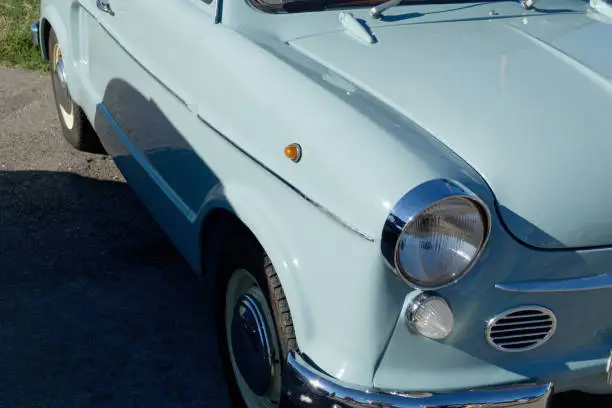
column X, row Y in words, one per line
column 521, row 329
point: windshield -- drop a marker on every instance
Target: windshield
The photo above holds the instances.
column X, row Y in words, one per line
column 292, row 6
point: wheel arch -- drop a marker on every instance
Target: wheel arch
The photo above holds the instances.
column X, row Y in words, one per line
column 215, row 218
column 255, row 215
column 54, row 17
column 45, row 27
column 329, row 273
column 223, row 216
column 52, row 20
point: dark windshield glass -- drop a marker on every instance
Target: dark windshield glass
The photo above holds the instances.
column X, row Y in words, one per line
column 290, row 6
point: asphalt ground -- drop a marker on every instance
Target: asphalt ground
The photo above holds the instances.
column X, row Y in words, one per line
column 97, row 309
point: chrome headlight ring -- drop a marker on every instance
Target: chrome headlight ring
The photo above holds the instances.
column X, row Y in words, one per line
column 435, row 234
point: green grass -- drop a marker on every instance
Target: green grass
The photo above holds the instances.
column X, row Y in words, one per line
column 16, row 48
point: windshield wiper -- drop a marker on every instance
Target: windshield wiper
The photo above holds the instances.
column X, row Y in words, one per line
column 377, row 11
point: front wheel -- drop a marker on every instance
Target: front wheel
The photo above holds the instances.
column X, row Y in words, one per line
column 254, row 324
column 75, row 126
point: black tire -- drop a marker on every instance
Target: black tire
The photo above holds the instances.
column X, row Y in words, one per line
column 238, row 249
column 79, row 133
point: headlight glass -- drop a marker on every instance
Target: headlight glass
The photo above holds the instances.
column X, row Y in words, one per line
column 440, row 243
column 435, row 234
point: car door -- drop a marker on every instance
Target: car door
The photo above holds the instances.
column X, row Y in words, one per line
column 143, row 71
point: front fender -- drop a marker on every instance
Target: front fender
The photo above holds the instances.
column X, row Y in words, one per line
column 58, row 16
column 343, row 300
column 56, row 19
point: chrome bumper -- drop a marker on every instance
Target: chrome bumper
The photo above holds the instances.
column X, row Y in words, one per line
column 34, row 34
column 304, row 386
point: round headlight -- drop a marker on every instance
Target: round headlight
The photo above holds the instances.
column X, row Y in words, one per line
column 435, row 234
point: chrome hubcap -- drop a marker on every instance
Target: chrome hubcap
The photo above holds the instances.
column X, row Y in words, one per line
column 61, row 88
column 251, row 344
column 252, row 341
column 61, row 74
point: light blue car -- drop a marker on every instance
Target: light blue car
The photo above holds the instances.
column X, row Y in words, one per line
column 400, row 204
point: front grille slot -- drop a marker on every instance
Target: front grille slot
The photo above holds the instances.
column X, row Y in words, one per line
column 521, row 329
column 518, row 323
column 505, row 329
column 528, row 318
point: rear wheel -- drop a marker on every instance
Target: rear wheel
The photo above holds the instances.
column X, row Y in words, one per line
column 253, row 320
column 75, row 126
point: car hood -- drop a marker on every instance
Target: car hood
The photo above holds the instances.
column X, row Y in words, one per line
column 526, row 101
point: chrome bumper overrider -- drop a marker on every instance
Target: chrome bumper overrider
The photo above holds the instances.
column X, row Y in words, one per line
column 34, row 36
column 304, row 386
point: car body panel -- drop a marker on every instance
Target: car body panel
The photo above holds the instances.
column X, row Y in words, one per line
column 194, row 83
column 277, row 215
column 197, row 114
column 136, row 98
column 578, row 349
column 494, row 92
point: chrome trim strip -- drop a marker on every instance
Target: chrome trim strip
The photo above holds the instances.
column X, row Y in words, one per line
column 596, row 282
column 304, row 386
column 536, row 343
column 414, row 202
column 285, row 182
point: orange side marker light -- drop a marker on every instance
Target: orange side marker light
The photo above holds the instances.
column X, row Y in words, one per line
column 294, row 152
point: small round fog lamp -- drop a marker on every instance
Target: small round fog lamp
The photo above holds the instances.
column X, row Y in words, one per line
column 430, row 316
